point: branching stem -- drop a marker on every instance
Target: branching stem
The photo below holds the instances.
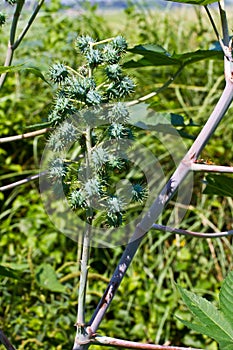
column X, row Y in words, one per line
column 192, row 233
column 24, row 136
column 13, row 44
column 164, row 197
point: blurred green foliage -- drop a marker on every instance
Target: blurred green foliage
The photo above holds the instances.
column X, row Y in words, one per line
column 145, row 306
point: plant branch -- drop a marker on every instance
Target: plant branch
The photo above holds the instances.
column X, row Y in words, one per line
column 211, row 168
column 98, row 340
column 10, row 49
column 154, row 93
column 192, row 233
column 4, row 340
column 161, row 201
column 82, row 335
column 24, row 136
column 28, row 25
column 21, row 182
column 13, row 44
column 83, row 278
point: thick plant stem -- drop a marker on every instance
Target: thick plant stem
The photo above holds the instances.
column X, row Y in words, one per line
column 81, row 333
column 83, row 278
column 161, row 201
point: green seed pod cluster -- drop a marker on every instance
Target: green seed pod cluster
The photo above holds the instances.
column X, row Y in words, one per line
column 89, row 111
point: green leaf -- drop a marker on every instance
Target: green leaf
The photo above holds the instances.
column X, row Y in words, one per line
column 148, row 119
column 155, row 55
column 195, row 2
column 196, row 327
column 8, row 272
column 213, row 322
column 37, row 72
column 226, row 345
column 220, row 185
column 46, row 278
column 226, row 297
column 21, row 67
column 10, row 68
column 199, row 55
column 152, row 55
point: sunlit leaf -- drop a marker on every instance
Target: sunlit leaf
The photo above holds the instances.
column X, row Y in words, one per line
column 212, row 321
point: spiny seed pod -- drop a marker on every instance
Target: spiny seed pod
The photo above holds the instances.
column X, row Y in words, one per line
column 68, row 132
column 100, row 157
column 114, row 211
column 77, row 199
column 92, row 187
column 83, row 43
column 119, row 113
column 111, row 55
column 62, row 108
column 58, row 73
column 119, row 43
column 93, row 98
column 119, row 131
column 56, row 143
column 113, row 72
column 57, row 169
column 94, row 57
column 121, row 88
column 139, row 193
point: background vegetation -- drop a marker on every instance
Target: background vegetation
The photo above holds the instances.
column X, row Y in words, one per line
column 145, row 306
